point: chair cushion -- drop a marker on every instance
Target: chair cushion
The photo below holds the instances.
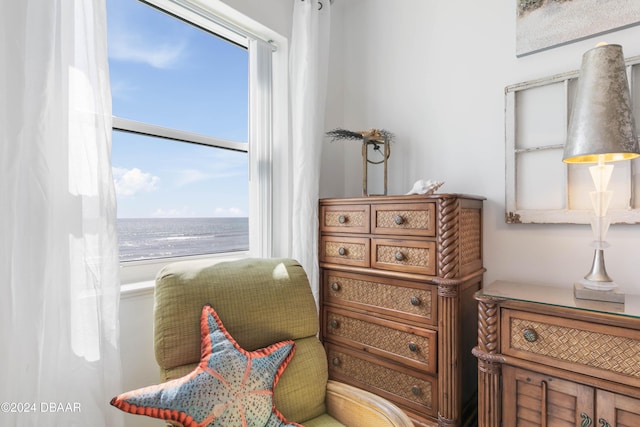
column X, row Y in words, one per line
column 324, row 420
column 260, row 301
column 301, row 392
column 230, row 387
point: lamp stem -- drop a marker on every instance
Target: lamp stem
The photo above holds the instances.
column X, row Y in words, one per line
column 598, row 272
column 597, row 278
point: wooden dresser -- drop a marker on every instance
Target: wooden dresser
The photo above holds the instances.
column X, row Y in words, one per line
column 547, row 359
column 398, row 318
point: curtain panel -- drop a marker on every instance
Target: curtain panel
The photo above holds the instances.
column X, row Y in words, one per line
column 308, row 69
column 58, row 247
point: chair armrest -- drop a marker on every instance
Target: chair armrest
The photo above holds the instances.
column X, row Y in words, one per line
column 359, row 408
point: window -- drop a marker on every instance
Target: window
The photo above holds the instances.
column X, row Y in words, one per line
column 182, row 130
column 539, row 187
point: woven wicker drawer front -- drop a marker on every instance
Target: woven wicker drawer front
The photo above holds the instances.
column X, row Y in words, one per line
column 470, row 226
column 382, row 338
column 345, row 250
column 410, row 256
column 381, row 295
column 416, row 392
column 559, row 340
column 416, row 219
column 345, row 219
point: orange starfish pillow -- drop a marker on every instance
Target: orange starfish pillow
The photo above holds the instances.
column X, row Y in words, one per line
column 230, row 387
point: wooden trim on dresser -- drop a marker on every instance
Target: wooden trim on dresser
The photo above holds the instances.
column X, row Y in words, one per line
column 489, row 362
column 448, row 255
column 398, row 199
column 448, row 352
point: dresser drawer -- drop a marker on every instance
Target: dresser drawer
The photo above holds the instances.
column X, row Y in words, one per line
column 601, row 350
column 411, row 219
column 345, row 218
column 411, row 346
column 345, row 250
column 415, row 390
column 410, row 301
column 410, row 256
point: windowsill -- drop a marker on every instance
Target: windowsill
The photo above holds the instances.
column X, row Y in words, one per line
column 132, row 290
column 138, row 278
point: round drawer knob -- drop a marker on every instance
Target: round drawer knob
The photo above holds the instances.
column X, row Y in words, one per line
column 335, row 361
column 399, row 256
column 335, row 286
column 342, row 251
column 416, row 390
column 342, row 219
column 413, row 347
column 530, row 335
column 399, row 220
column 334, row 324
column 415, row 301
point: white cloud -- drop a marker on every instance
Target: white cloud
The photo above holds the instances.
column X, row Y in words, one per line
column 131, row 181
column 125, row 46
column 229, row 212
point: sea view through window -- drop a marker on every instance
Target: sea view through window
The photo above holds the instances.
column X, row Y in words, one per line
column 150, row 238
column 180, row 152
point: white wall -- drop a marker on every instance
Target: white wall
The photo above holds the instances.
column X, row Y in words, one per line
column 434, row 73
column 139, row 368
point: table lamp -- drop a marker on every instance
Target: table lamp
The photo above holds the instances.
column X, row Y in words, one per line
column 601, row 130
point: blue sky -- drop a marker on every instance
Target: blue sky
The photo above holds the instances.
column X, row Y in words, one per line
column 168, row 73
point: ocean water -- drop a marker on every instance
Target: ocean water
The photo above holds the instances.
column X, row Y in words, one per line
column 149, row 238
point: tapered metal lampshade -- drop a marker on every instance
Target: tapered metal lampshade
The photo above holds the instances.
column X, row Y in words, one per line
column 602, row 122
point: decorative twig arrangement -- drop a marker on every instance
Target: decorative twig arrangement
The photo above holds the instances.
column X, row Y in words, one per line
column 374, row 137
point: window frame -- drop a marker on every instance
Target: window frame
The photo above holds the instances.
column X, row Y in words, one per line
column 570, row 183
column 268, row 122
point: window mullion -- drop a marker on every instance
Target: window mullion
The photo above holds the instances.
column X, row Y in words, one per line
column 142, row 128
column 260, row 157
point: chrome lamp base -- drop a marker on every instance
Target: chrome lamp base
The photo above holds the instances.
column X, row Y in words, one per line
column 597, row 285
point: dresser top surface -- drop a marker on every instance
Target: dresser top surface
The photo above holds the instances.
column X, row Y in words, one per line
column 558, row 296
column 400, row 198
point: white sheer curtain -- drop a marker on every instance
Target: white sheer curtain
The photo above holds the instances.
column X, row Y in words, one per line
column 308, row 72
column 58, row 243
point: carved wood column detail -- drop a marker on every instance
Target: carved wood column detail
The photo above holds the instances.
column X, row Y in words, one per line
column 489, row 362
column 448, row 238
column 449, row 393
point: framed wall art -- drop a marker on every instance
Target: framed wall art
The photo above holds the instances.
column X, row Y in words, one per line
column 543, row 24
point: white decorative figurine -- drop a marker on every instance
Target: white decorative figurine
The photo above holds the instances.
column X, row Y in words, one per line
column 422, row 186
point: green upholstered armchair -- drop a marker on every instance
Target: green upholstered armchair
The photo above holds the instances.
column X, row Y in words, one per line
column 261, row 302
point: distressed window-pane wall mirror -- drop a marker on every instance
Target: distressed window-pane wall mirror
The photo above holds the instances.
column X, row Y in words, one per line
column 540, row 188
